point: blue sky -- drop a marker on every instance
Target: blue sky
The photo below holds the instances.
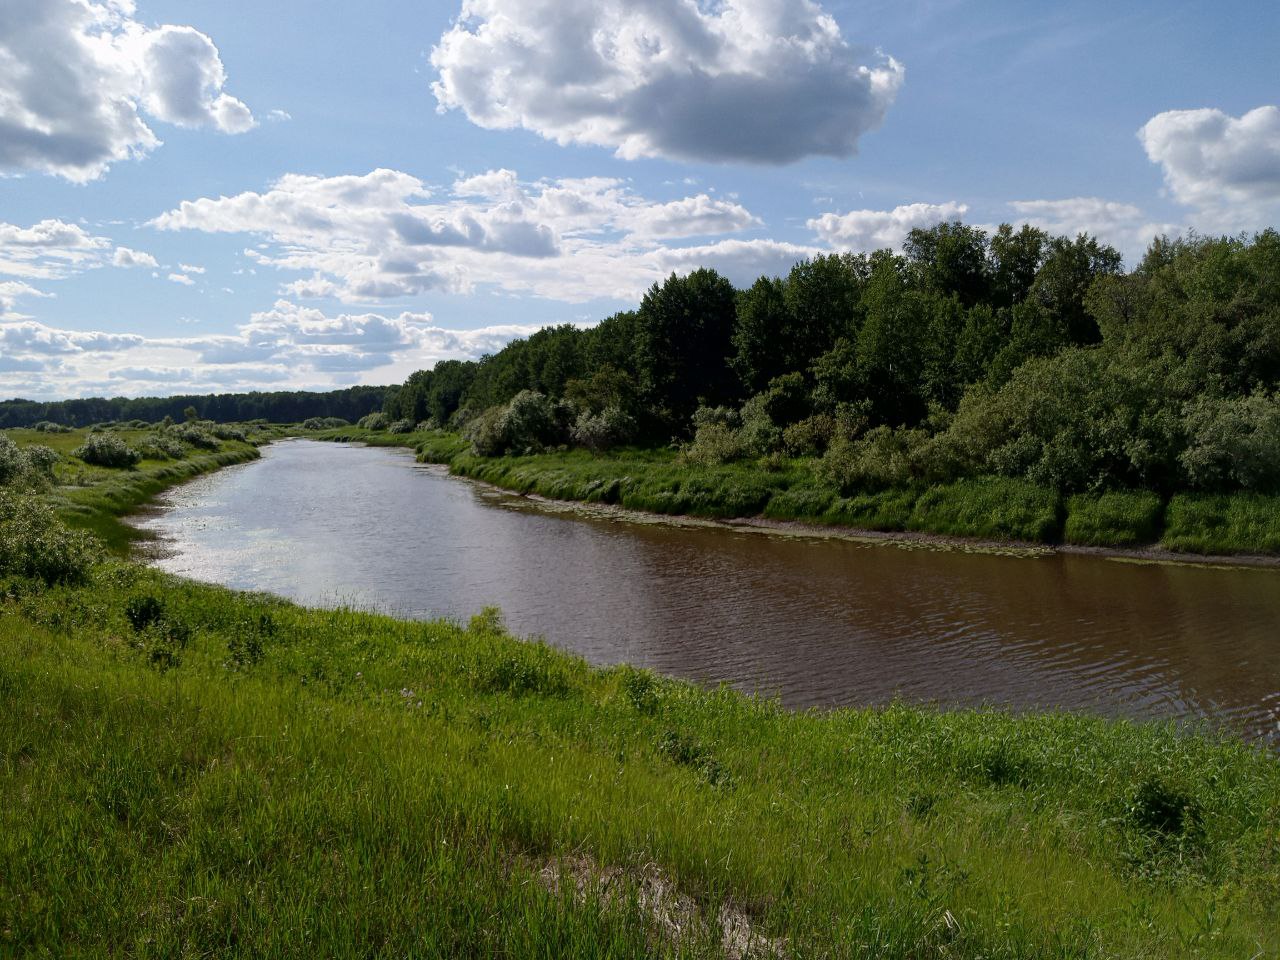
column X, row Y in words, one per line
column 232, row 195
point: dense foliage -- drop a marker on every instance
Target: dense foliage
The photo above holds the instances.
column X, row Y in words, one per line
column 1015, row 354
column 106, row 450
column 279, row 407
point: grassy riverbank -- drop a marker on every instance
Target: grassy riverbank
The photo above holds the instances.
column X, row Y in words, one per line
column 188, row 771
column 96, row 498
column 660, row 481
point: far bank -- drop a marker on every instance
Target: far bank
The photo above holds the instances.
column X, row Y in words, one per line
column 788, row 497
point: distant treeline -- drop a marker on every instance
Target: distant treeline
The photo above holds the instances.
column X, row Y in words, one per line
column 278, row 407
column 1015, row 353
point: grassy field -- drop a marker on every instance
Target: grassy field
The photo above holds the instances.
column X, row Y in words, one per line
column 992, row 508
column 186, row 772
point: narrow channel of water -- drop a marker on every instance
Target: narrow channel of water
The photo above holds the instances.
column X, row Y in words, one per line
column 817, row 622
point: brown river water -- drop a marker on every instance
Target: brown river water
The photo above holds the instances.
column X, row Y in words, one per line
column 816, row 622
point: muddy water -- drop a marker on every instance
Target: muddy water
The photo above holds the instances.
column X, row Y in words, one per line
column 816, row 622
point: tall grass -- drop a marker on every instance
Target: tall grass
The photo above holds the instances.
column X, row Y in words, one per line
column 1241, row 523
column 991, row 508
column 334, row 783
column 1116, row 518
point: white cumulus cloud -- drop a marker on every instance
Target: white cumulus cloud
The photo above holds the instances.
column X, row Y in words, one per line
column 386, row 234
column 126, row 258
column 867, row 230
column 48, row 250
column 287, row 345
column 78, row 79
column 1211, row 159
column 755, row 81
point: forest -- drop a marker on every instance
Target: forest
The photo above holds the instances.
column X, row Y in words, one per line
column 1012, row 354
column 276, row 407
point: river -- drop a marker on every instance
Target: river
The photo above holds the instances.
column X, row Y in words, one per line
column 815, row 622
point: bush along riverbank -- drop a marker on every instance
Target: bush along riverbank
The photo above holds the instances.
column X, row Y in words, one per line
column 98, row 476
column 186, row 770
column 670, row 482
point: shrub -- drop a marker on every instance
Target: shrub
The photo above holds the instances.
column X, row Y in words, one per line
column 713, row 444
column 41, row 460
column 103, row 450
column 401, row 426
column 224, row 431
column 12, row 462
column 324, row 423
column 1233, row 443
column 374, row 421
column 33, row 543
column 195, row 434
column 528, row 424
column 882, row 458
column 811, row 437
column 719, row 416
column 25, row 467
column 609, row 428
column 45, row 426
column 759, row 433
column 164, row 448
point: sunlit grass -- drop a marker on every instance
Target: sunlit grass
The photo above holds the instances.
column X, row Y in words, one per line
column 348, row 784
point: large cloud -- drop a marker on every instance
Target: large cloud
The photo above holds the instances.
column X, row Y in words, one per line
column 866, row 230
column 757, row 81
column 1212, row 159
column 386, row 234
column 287, row 345
column 77, row 76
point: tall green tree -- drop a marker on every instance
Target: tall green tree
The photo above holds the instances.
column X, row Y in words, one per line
column 684, row 332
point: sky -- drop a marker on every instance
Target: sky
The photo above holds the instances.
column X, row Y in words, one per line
column 225, row 196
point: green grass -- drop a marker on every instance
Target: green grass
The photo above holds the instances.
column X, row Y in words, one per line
column 990, row 508
column 344, row 784
column 887, row 510
column 1119, row 518
column 1241, row 523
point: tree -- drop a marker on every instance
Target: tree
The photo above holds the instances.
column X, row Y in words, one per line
column 684, row 336
column 949, row 259
column 1063, row 282
column 762, row 336
column 823, row 301
column 1015, row 259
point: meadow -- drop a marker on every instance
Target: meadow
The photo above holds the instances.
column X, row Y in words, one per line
column 189, row 771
